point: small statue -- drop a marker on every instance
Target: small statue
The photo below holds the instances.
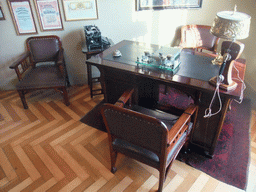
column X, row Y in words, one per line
column 218, row 60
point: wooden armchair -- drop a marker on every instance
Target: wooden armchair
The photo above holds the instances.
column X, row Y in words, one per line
column 42, row 67
column 198, row 37
column 150, row 136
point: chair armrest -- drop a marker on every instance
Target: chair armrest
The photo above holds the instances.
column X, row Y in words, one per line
column 60, row 58
column 21, row 65
column 21, row 58
column 126, row 96
column 61, row 63
column 181, row 124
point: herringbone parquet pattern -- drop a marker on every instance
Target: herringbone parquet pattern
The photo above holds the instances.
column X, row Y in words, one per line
column 47, row 148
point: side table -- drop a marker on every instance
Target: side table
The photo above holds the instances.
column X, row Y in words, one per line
column 92, row 80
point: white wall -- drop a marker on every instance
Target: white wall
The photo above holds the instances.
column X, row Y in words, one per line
column 118, row 20
column 249, row 7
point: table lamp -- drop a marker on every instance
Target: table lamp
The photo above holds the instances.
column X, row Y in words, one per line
column 230, row 25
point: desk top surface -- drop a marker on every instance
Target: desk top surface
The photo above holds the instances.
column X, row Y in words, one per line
column 195, row 69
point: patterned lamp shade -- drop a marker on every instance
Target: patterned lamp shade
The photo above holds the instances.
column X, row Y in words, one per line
column 231, row 25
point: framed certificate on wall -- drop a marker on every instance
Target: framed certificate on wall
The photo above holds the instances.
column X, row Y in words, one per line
column 80, row 9
column 22, row 17
column 167, row 4
column 49, row 16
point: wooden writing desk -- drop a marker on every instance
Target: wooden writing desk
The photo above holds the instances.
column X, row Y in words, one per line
column 195, row 70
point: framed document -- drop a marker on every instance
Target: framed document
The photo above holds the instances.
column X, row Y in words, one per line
column 22, row 17
column 80, row 9
column 167, row 4
column 1, row 14
column 49, row 14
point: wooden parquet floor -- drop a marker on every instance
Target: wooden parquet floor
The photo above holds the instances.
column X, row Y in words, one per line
column 47, row 148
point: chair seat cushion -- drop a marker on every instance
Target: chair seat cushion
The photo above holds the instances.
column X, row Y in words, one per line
column 44, row 76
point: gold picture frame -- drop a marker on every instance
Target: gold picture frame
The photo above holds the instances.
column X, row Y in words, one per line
column 49, row 16
column 22, row 17
column 75, row 10
column 170, row 4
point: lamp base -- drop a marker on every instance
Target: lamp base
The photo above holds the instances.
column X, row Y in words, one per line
column 226, row 87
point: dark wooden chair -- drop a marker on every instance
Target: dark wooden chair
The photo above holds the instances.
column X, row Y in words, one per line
column 42, row 67
column 150, row 136
column 198, row 37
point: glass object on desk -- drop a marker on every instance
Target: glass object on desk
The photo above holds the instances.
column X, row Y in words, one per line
column 166, row 58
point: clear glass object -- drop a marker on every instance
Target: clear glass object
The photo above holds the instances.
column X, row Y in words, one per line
column 165, row 58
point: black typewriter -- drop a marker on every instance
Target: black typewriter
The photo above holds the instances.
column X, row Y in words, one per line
column 94, row 40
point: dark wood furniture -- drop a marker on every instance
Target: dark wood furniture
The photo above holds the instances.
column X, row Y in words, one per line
column 42, row 67
column 198, row 37
column 92, row 80
column 149, row 136
column 192, row 78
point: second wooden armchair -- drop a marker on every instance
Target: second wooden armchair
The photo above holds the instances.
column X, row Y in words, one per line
column 150, row 136
column 198, row 37
column 42, row 66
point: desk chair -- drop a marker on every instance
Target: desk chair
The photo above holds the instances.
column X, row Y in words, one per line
column 198, row 37
column 149, row 136
column 42, row 67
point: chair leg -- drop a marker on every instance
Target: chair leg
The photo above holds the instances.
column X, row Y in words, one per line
column 186, row 146
column 65, row 95
column 113, row 155
column 23, row 99
column 68, row 82
column 162, row 176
